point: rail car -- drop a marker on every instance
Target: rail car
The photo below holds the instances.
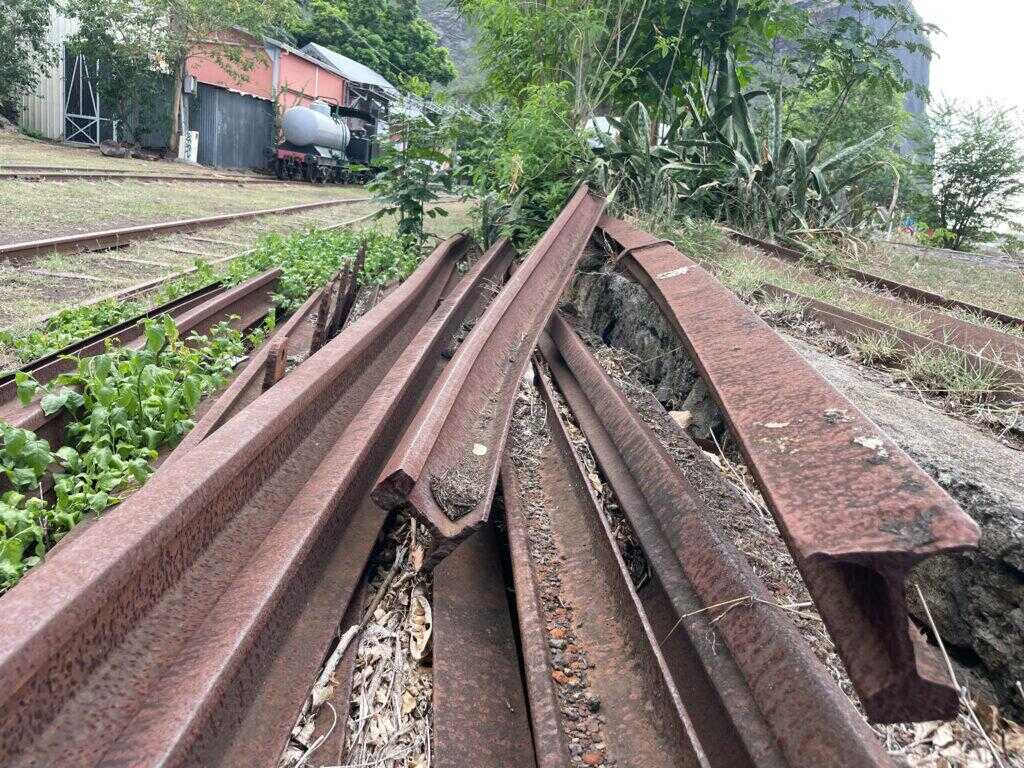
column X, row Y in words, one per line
column 319, row 146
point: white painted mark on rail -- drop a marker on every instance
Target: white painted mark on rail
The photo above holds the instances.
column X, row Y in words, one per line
column 673, row 273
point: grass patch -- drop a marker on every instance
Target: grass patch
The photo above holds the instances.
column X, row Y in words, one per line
column 951, row 373
column 879, row 349
column 784, row 311
column 995, row 287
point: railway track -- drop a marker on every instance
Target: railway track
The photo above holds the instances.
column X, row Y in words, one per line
column 186, row 626
column 39, row 173
column 16, row 253
column 901, row 290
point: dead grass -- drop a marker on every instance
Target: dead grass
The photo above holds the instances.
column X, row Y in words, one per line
column 32, row 210
column 990, row 286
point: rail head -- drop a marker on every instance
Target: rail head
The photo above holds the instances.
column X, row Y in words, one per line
column 854, row 509
column 445, row 469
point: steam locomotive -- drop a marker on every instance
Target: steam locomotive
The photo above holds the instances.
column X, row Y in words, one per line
column 319, row 146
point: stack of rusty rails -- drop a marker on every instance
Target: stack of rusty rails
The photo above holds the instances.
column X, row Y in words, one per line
column 186, row 625
column 114, row 238
column 446, row 467
column 852, row 507
column 321, row 316
column 902, row 290
column 745, row 701
column 244, row 306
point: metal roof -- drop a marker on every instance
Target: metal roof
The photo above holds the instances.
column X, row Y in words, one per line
column 353, row 70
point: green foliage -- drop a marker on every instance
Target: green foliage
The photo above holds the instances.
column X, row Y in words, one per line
column 413, row 176
column 25, row 52
column 122, row 406
column 976, row 170
column 392, row 38
column 309, row 259
column 540, row 158
column 77, row 323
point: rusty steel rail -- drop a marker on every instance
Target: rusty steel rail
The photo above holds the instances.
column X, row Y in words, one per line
column 248, row 303
column 895, row 287
column 112, row 238
column 186, row 625
column 646, row 722
column 758, row 698
column 854, row 509
column 446, row 467
column 855, row 326
column 480, row 712
column 551, row 749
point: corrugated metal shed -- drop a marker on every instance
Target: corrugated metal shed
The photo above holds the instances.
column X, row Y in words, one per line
column 235, row 130
column 43, row 111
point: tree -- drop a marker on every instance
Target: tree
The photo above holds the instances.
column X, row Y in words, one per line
column 391, row 37
column 976, row 172
column 413, row 177
column 25, row 53
column 164, row 34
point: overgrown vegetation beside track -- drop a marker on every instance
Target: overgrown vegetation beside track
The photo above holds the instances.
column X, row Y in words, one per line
column 126, row 404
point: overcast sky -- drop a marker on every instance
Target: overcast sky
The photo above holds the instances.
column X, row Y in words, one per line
column 980, row 50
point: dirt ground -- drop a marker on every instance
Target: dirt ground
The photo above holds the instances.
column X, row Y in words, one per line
column 19, row 149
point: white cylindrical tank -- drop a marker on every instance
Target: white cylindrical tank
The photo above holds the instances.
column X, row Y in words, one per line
column 314, row 125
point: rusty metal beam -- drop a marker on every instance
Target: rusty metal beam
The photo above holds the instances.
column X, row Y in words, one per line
column 549, row 743
column 446, row 468
column 185, row 625
column 481, row 717
column 646, row 721
column 758, row 697
column 856, row 512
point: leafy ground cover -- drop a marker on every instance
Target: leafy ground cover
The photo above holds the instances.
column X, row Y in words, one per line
column 126, row 404
column 122, row 406
column 77, row 323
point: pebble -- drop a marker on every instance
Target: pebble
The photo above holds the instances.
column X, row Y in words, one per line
column 560, row 677
column 593, row 758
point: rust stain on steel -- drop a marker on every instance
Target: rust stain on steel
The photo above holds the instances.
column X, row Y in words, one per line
column 899, row 289
column 276, row 360
column 110, row 238
column 856, row 512
column 646, row 720
column 446, row 466
column 756, row 695
column 348, row 291
column 549, row 742
column 480, row 712
column 855, row 326
column 185, row 625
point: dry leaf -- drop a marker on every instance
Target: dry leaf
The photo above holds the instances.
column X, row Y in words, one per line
column 420, row 625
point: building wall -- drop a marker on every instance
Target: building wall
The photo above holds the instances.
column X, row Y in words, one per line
column 43, row 110
column 269, row 67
